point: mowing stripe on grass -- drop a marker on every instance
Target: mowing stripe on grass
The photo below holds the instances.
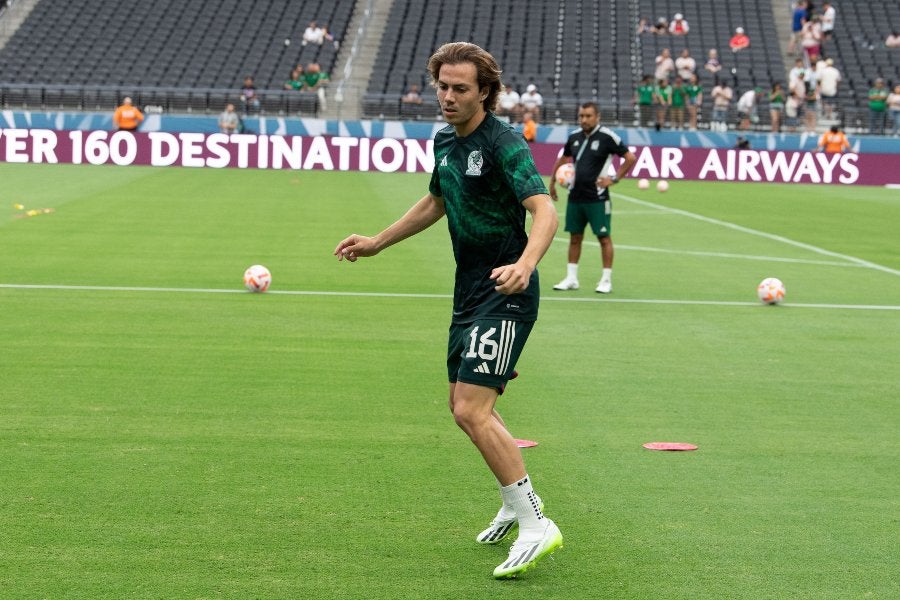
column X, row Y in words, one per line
column 104, row 288
column 770, row 236
column 804, row 261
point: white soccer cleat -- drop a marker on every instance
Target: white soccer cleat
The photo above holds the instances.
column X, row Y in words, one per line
column 604, row 287
column 525, row 554
column 567, row 284
column 499, row 528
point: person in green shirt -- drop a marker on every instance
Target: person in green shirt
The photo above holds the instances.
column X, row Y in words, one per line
column 679, row 100
column 662, row 97
column 694, row 92
column 643, row 100
column 877, row 107
column 295, row 82
column 485, row 182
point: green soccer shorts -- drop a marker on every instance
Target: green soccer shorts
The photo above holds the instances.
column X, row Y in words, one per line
column 485, row 351
column 598, row 214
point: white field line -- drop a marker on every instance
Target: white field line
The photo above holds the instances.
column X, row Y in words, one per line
column 829, row 263
column 756, row 232
column 554, row 298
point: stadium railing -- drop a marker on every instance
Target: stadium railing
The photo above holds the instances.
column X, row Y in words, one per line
column 159, row 99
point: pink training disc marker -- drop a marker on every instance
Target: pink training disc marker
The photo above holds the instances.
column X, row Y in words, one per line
column 526, row 443
column 669, row 446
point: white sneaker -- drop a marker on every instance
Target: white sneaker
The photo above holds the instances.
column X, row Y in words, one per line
column 499, row 528
column 525, row 554
column 567, row 284
column 604, row 287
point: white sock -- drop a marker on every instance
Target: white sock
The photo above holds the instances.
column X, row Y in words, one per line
column 521, row 497
column 607, row 275
column 506, row 511
column 572, row 271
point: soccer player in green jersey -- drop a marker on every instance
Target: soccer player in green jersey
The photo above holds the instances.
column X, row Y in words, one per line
column 484, row 181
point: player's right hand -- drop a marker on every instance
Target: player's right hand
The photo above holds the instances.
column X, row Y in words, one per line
column 354, row 247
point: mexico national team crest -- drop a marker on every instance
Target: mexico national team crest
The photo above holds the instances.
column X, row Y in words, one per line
column 475, row 162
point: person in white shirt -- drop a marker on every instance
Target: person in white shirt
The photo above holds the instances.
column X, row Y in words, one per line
column 509, row 104
column 746, row 107
column 313, row 34
column 829, row 77
column 532, row 101
column 686, row 65
column 828, row 16
column 665, row 66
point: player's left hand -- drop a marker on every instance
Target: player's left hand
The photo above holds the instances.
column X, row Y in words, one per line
column 511, row 279
column 604, row 181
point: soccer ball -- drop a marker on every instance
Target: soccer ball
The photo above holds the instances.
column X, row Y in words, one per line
column 662, row 185
column 643, row 184
column 565, row 175
column 770, row 290
column 257, row 278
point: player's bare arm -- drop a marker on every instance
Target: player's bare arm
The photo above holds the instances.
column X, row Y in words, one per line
column 512, row 279
column 628, row 161
column 422, row 215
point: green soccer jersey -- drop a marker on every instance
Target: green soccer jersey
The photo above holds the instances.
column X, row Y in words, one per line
column 483, row 179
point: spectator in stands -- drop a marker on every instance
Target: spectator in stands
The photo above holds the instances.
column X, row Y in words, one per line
column 833, row 141
column 892, row 40
column 679, row 100
column 661, row 27
column 694, row 92
column 529, row 127
column 662, row 99
column 128, row 117
column 643, row 26
column 313, row 34
column 739, row 40
column 249, row 97
column 315, row 80
column 643, row 100
column 811, row 100
column 229, row 121
column 665, row 66
column 776, row 106
column 532, row 101
column 829, row 14
column 893, row 104
column 721, row 95
column 295, row 82
column 747, row 108
column 412, row 95
column 828, row 77
column 509, row 104
column 797, row 72
column 713, row 66
column 678, row 26
column 811, row 38
column 792, row 108
column 685, row 65
column 327, row 36
column 798, row 18
column 878, row 95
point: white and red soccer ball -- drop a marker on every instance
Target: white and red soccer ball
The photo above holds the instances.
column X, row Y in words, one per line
column 770, row 290
column 257, row 278
column 662, row 185
column 565, row 175
column 643, row 184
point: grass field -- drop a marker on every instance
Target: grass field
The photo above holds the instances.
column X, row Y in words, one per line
column 166, row 435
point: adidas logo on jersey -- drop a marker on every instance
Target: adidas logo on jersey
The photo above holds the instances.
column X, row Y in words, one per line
column 482, row 368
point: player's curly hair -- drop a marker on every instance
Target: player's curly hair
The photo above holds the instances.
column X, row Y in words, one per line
column 486, row 66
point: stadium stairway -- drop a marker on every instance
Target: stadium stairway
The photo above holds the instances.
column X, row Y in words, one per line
column 356, row 59
column 12, row 17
